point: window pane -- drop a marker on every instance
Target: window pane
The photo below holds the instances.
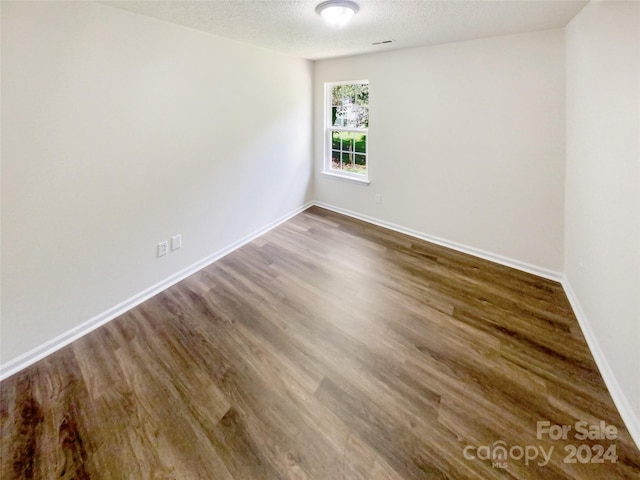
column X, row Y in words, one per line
column 353, row 116
column 362, row 95
column 344, row 95
column 360, row 140
column 339, row 116
column 337, row 95
column 347, row 141
column 347, row 160
column 360, row 165
column 335, row 140
column 362, row 105
column 363, row 117
column 335, row 160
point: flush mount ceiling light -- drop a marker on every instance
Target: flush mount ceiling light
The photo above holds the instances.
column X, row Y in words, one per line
column 337, row 12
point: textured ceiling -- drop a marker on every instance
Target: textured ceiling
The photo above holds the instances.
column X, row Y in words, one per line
column 293, row 27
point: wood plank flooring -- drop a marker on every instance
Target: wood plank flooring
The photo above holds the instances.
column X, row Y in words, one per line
column 326, row 349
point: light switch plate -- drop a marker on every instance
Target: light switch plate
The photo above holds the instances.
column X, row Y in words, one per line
column 176, row 242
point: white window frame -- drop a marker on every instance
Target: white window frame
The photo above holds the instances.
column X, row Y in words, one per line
column 328, row 128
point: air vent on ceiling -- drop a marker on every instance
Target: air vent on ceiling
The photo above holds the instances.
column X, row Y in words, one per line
column 383, row 42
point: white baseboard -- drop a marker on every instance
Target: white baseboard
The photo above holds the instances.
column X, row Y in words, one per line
column 22, row 361
column 493, row 257
column 630, row 419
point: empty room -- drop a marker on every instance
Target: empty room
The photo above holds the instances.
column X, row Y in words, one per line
column 320, row 240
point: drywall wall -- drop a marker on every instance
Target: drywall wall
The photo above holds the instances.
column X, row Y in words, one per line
column 602, row 244
column 119, row 131
column 466, row 143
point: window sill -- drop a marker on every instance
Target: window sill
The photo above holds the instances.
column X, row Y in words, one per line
column 361, row 181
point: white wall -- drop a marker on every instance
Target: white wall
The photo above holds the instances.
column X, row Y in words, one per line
column 466, row 143
column 602, row 245
column 119, row 131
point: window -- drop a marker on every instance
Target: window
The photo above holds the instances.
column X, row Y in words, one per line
column 347, row 129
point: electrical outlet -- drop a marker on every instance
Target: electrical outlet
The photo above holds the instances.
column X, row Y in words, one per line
column 163, row 249
column 176, row 242
column 378, row 198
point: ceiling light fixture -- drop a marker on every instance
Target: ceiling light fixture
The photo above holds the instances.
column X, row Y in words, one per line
column 337, row 12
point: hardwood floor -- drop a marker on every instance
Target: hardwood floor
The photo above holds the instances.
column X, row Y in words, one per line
column 326, row 349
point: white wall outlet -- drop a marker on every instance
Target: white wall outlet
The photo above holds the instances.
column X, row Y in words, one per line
column 163, row 249
column 176, row 242
column 378, row 198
